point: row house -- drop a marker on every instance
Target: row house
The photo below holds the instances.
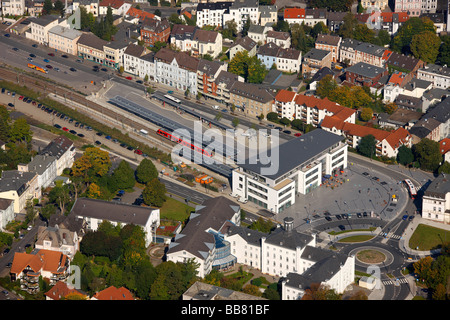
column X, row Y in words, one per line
column 364, row 74
column 211, row 13
column 281, row 39
column 250, row 98
column 19, row 187
column 154, row 30
column 196, row 41
column 374, row 4
column 285, row 59
column 352, row 51
column 118, row 7
column 44, row 166
column 207, row 73
column 177, row 70
column 426, row 128
column 131, row 58
column 243, row 44
column 63, row 149
column 39, row 28
column 91, row 47
column 329, row 43
column 64, row 39
column 309, row 109
column 412, row 7
column 387, row 142
column 258, row 33
column 315, row 60
column 242, row 11
column 135, row 15
column 408, row 65
column 439, row 75
column 28, row 268
column 268, row 15
column 222, row 85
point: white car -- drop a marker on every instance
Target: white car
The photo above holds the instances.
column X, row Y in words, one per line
column 29, row 228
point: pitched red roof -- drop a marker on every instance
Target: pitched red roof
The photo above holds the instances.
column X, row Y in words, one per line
column 113, row 293
column 294, row 13
column 285, row 96
column 140, row 14
column 48, row 260
column 444, row 145
column 116, row 4
column 61, row 290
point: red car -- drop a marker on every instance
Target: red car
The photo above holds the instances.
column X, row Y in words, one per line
column 129, row 78
column 21, row 97
column 297, row 134
column 51, row 54
column 137, row 151
column 65, row 129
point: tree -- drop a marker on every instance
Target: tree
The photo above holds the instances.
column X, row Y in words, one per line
column 325, row 86
column 362, row 32
column 405, row 155
column 347, row 28
column 48, row 7
column 146, row 171
column 60, row 195
column 414, row 25
column 384, row 37
column 123, row 176
column 367, row 145
column 444, row 168
column 390, row 107
column 92, row 164
column 235, row 122
column 59, row 7
column 300, row 40
column 444, row 51
column 425, row 46
column 250, row 68
column 272, row 116
column 20, row 131
column 428, row 154
column 230, row 30
column 366, row 114
column 154, row 193
column 316, row 291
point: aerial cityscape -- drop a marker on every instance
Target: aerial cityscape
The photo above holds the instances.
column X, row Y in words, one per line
column 239, row 151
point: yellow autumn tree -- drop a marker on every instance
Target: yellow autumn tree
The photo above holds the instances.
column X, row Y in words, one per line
column 94, row 191
column 93, row 163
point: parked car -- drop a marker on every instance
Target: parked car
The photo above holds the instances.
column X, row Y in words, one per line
column 405, row 217
column 51, row 54
column 57, row 126
column 98, row 143
column 297, row 134
column 65, row 129
column 137, row 151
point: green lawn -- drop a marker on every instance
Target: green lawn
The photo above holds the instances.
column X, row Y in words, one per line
column 175, row 210
column 427, row 238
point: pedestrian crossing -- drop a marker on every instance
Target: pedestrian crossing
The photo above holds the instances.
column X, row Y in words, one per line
column 390, row 235
column 391, row 282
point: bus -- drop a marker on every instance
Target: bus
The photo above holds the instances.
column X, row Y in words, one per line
column 411, row 188
column 172, row 98
column 37, row 67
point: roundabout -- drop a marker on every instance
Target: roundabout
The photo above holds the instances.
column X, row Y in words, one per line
column 372, row 255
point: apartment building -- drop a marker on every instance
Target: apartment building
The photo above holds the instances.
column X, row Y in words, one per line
column 242, row 11
column 352, row 51
column 268, row 15
column 281, row 39
column 13, row 7
column 90, row 47
column 243, row 44
column 439, row 75
column 20, row 187
column 154, row 30
column 329, row 43
column 251, row 99
column 118, row 7
column 39, row 28
column 285, row 59
column 436, row 200
column 315, row 60
column 294, row 15
column 211, row 13
column 207, row 74
column 64, row 39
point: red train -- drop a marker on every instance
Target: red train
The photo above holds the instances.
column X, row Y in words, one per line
column 173, row 138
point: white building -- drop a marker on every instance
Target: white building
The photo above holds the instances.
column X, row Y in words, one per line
column 45, row 167
column 241, row 11
column 285, row 59
column 258, row 33
column 436, row 200
column 94, row 212
column 177, row 69
column 64, row 39
column 58, row 239
column 13, row 7
column 439, row 75
column 211, row 13
column 6, row 212
column 302, row 163
column 39, row 28
column 64, row 150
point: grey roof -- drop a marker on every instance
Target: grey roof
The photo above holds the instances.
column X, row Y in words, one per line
column 15, row 180
column 316, row 54
column 423, row 127
column 439, row 187
column 209, row 67
column 134, row 50
column 365, row 70
column 297, row 152
column 40, row 163
column 401, row 61
column 227, row 78
column 288, row 239
column 251, row 91
column 5, row 203
column 214, row 6
column 250, row 236
column 436, row 93
column 408, row 102
column 58, row 146
column 91, row 40
column 112, row 211
column 440, row 112
column 45, row 20
column 245, row 42
column 204, row 291
column 256, row 28
column 214, row 213
column 319, row 75
column 417, row 83
column 244, row 4
column 437, row 69
column 65, row 32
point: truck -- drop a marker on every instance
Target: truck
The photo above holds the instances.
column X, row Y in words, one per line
column 144, row 132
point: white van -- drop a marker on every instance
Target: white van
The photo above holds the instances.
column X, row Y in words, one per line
column 216, row 107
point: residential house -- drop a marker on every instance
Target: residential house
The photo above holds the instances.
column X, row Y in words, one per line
column 201, row 238
column 64, row 39
column 131, row 58
column 118, row 7
column 177, row 69
column 364, row 74
column 436, row 200
column 433, row 96
column 58, row 239
column 154, row 30
column 315, row 60
column 439, row 75
column 207, row 73
column 147, row 66
column 135, row 15
column 241, row 11
column 285, row 59
column 28, row 268
column 309, row 109
column 127, row 33
column 335, row 20
column 112, row 294
column 438, row 20
column 94, row 212
column 206, row 42
column 329, row 43
column 268, row 15
column 39, row 28
column 61, row 290
column 294, row 15
column 250, row 98
column 352, row 51
column 20, row 187
column 408, row 65
column 181, row 36
column 44, row 166
column 258, row 33
column 315, row 15
column 6, row 212
column 243, row 44
column 387, row 142
column 441, row 113
column 13, row 7
column 390, row 21
column 425, row 128
column 412, row 7
column 64, row 150
column 400, row 118
column 211, row 13
column 374, row 4
column 281, row 39
column 319, row 75
column 409, row 103
column 91, row 6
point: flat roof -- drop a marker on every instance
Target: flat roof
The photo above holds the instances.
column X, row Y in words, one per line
column 295, row 152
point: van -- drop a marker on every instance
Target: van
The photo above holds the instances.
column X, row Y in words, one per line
column 216, row 107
